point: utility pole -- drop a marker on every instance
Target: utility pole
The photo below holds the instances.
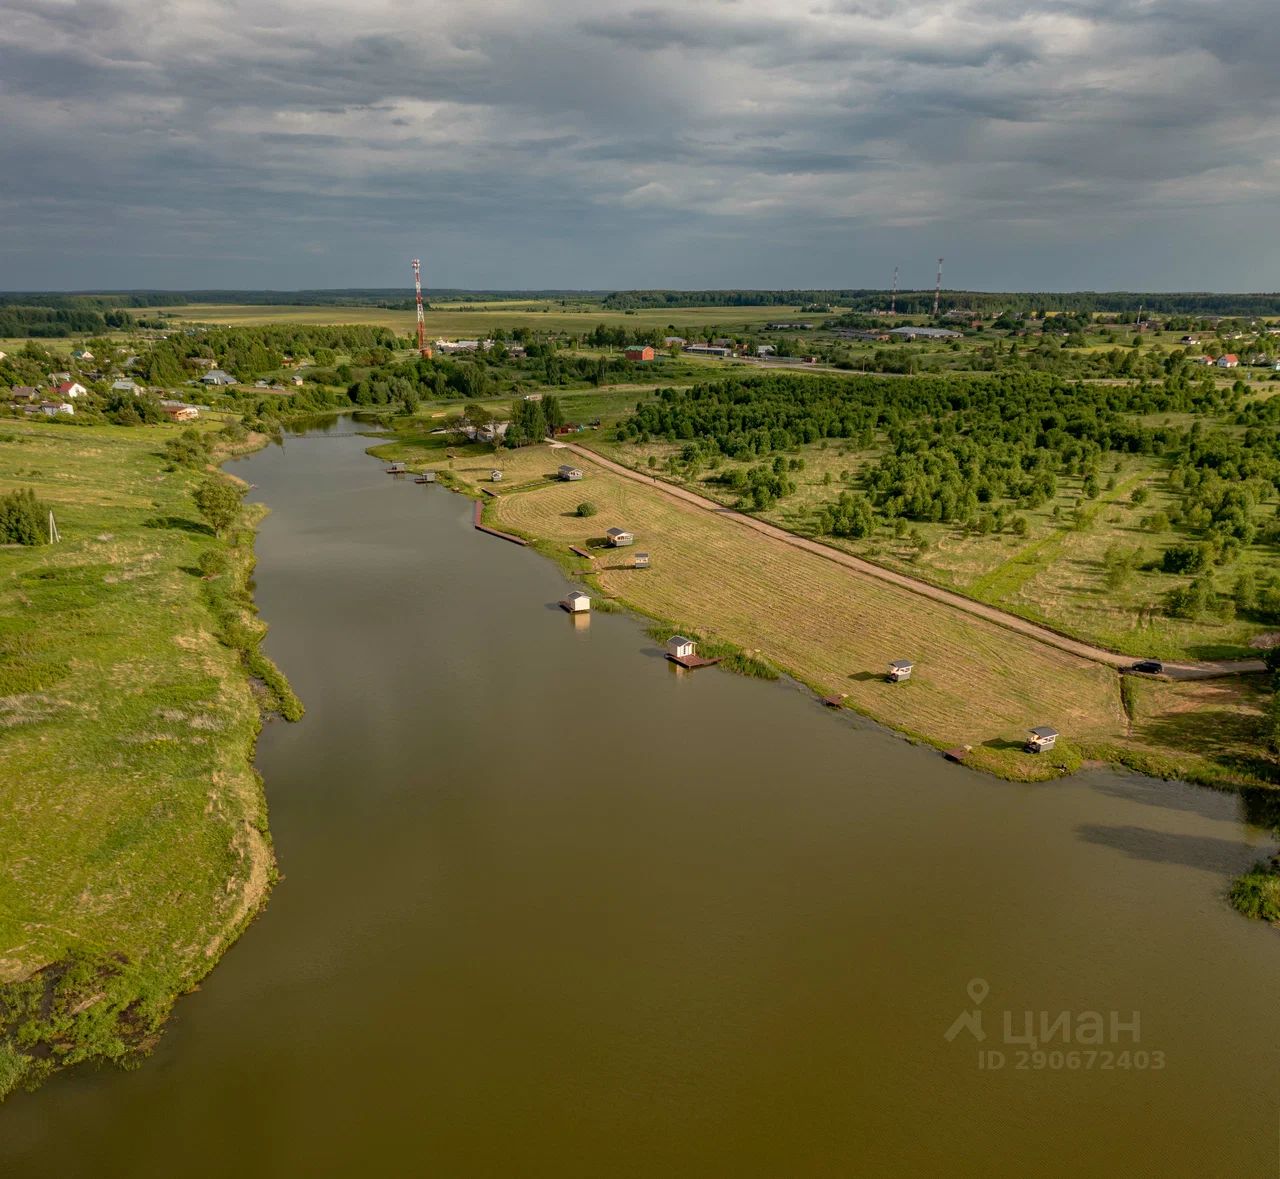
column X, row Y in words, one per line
column 937, row 290
column 893, row 297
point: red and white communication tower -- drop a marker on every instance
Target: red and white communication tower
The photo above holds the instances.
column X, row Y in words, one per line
column 423, row 350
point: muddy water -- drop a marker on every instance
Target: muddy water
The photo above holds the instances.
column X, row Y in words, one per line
column 551, row 908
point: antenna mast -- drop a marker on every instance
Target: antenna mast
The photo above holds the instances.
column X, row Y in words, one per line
column 423, row 350
column 893, row 297
column 937, row 290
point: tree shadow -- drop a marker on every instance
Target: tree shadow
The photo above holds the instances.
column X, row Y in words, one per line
column 179, row 522
column 1207, row 853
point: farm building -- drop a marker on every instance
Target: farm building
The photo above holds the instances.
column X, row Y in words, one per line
column 215, row 376
column 577, row 602
column 641, row 352
column 495, row 476
column 642, row 561
column 678, row 647
column 51, row 409
column 899, row 670
column 925, row 333
column 618, row 537
column 569, row 474
column 179, row 412
column 708, row 350
column 1041, row 739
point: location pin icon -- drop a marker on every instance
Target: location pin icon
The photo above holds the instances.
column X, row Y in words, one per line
column 978, row 989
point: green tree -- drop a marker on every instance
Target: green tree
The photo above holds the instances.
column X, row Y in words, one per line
column 586, row 508
column 23, row 518
column 219, row 502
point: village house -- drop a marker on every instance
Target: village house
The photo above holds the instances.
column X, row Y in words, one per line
column 1228, row 360
column 72, row 389
column 179, row 412
column 295, row 380
column 24, row 393
column 707, row 350
column 618, row 537
column 216, row 376
column 126, row 385
column 674, row 341
column 82, row 354
column 58, row 378
column 569, row 474
column 51, row 409
column 641, row 353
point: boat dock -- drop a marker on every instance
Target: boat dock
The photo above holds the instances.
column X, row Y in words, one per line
column 477, row 521
column 692, row 662
column 573, row 548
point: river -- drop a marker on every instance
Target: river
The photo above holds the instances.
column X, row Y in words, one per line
column 551, row 907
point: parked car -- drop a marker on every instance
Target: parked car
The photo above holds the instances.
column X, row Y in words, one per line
column 1150, row 666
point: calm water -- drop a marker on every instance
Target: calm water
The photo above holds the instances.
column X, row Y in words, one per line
column 551, row 908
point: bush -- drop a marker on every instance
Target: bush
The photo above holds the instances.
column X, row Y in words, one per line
column 212, row 562
column 23, row 518
column 586, row 508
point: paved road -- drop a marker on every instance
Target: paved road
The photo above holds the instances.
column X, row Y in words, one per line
column 1175, row 670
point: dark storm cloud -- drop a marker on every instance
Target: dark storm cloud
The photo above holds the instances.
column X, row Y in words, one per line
column 541, row 143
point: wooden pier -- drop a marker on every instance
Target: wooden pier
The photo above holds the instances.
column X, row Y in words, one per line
column 833, row 701
column 960, row 754
column 480, row 526
column 573, row 548
column 692, row 662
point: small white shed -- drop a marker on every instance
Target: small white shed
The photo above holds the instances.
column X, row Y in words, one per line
column 678, row 647
column 618, row 537
column 495, row 476
column 577, row 602
column 899, row 670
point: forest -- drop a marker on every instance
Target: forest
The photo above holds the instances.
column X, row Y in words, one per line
column 974, row 453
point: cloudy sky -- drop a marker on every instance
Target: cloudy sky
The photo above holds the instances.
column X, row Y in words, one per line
column 566, row 143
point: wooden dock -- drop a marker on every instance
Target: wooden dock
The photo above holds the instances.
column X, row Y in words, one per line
column 573, row 548
column 833, row 701
column 478, row 521
column 693, row 662
column 960, row 754
column 489, row 491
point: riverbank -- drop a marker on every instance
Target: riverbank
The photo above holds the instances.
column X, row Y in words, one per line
column 977, row 684
column 132, row 823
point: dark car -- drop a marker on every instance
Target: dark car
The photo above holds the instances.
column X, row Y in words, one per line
column 1151, row 666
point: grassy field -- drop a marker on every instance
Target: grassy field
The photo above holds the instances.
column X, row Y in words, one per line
column 976, row 683
column 469, row 320
column 132, row 825
column 1055, row 574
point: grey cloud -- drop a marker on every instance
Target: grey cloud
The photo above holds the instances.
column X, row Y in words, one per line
column 522, row 141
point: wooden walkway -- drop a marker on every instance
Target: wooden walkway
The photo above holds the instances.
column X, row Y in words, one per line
column 573, row 548
column 692, row 662
column 477, row 520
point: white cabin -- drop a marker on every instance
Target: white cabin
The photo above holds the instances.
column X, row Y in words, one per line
column 678, row 647
column 1041, row 739
column 577, row 602
column 618, row 537
column 899, row 670
column 495, row 476
column 570, row 474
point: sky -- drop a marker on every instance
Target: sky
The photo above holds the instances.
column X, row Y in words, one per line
column 1036, row 144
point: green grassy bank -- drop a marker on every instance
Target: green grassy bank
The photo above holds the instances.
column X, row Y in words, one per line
column 133, row 827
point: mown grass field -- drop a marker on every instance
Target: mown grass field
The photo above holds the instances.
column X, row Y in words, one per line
column 1056, row 574
column 976, row 683
column 132, row 825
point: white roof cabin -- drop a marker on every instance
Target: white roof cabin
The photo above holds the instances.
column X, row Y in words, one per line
column 900, row 669
column 679, row 647
column 618, row 537
column 577, row 602
column 569, row 474
column 495, row 476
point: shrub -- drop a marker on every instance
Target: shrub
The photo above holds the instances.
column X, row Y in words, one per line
column 212, row 562
column 23, row 518
column 586, row 508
